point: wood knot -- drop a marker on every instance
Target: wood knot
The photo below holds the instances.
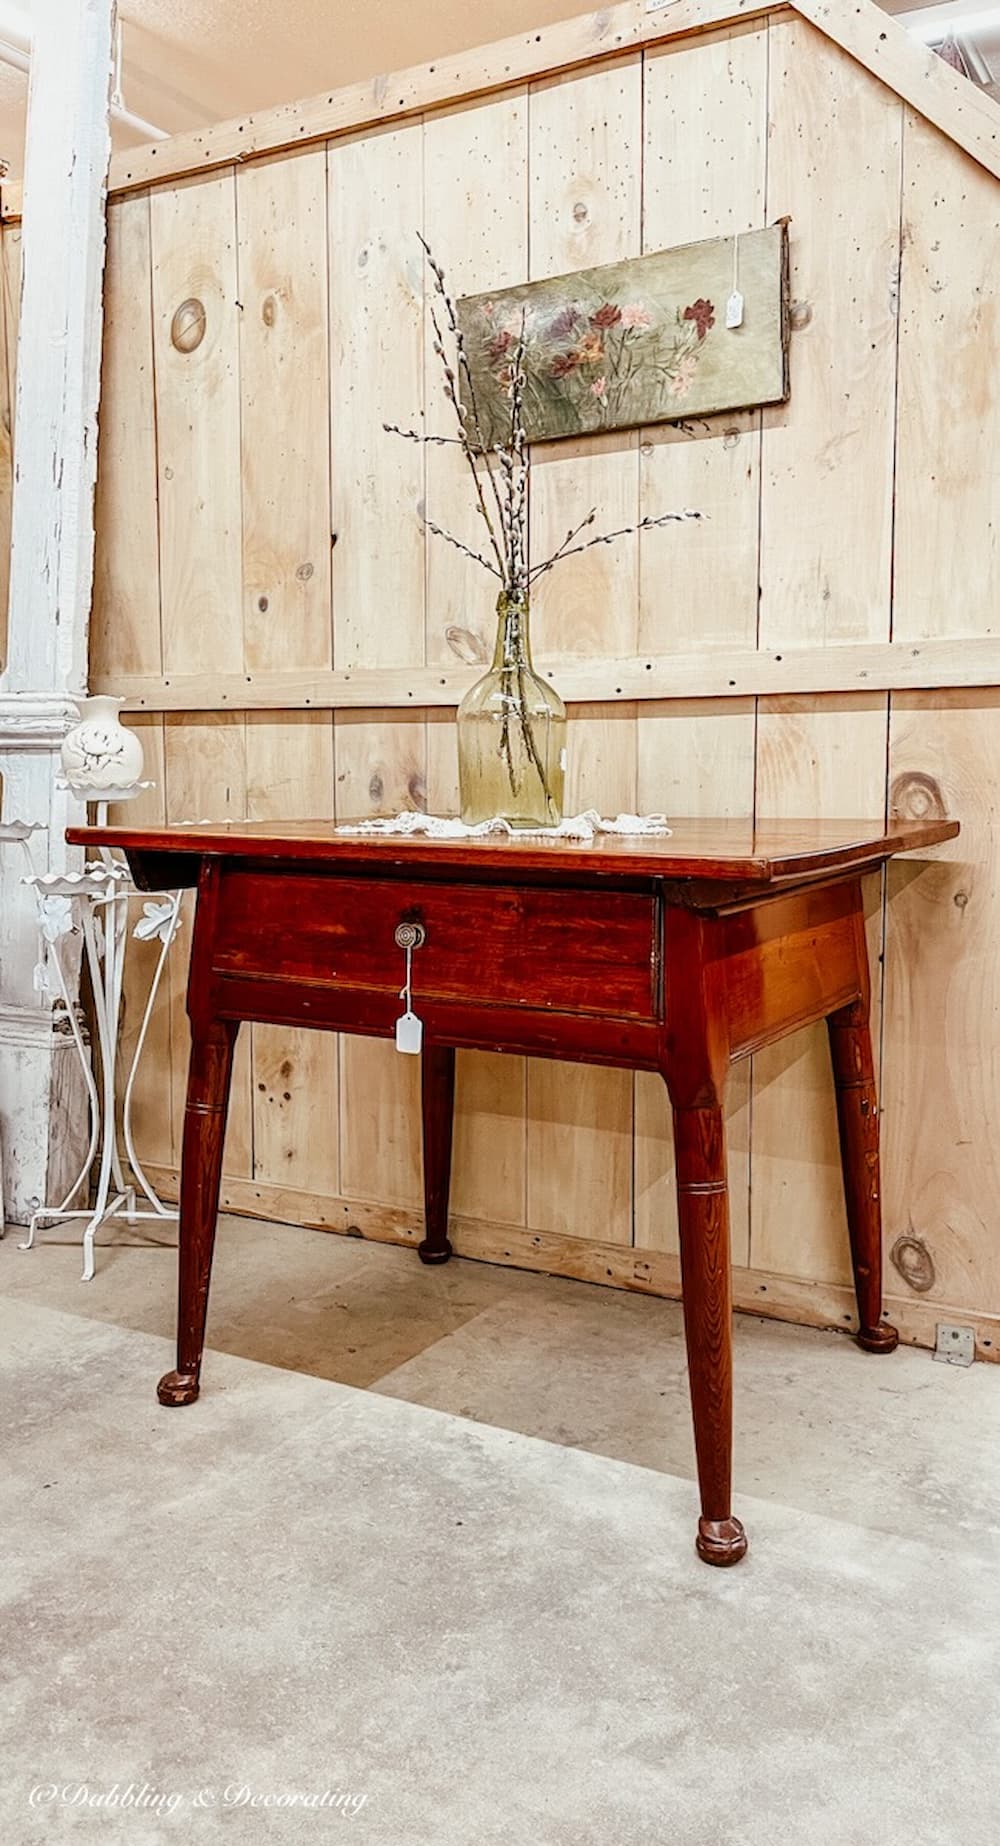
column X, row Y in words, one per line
column 580, row 212
column 187, row 329
column 269, row 311
column 910, row 1255
column 417, row 787
column 800, row 314
column 916, row 796
column 468, row 646
column 304, row 572
column 376, row 788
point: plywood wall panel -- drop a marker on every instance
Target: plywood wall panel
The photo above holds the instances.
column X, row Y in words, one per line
column 193, row 233
column 834, row 168
column 284, row 400
column 377, row 376
column 948, row 471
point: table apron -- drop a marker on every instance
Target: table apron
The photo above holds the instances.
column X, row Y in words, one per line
column 370, row 1012
column 791, row 961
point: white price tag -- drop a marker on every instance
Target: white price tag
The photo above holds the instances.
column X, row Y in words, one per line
column 409, row 1033
column 734, row 309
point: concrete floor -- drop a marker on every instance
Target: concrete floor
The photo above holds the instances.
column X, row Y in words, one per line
column 250, row 1578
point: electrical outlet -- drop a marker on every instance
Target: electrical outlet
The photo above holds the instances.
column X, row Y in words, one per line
column 955, row 1345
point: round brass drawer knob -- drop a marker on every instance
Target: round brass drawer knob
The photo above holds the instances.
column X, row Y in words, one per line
column 409, row 935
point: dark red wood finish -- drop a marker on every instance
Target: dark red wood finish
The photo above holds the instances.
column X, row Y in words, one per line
column 677, row 955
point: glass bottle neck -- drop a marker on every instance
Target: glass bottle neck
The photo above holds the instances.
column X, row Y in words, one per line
column 513, row 643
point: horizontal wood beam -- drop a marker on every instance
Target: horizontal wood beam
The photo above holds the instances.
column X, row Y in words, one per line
column 390, row 97
column 963, row 112
column 646, row 1272
column 738, row 673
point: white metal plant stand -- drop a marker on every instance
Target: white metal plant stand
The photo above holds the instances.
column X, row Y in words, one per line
column 96, row 900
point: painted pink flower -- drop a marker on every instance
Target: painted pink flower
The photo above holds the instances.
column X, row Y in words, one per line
column 600, row 389
column 563, row 364
column 702, row 312
column 505, row 380
column 498, row 346
column 680, row 383
column 488, row 309
column 607, row 316
column 635, row 315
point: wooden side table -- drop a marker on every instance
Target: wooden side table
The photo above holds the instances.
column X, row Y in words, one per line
column 675, row 955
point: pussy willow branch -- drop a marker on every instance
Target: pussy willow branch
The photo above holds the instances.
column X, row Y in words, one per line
column 508, row 528
column 468, row 387
column 412, row 435
column 452, row 395
column 450, row 539
column 608, row 538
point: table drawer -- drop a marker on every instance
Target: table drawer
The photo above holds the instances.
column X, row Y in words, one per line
column 593, row 951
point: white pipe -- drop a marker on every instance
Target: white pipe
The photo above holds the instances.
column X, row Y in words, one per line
column 15, row 50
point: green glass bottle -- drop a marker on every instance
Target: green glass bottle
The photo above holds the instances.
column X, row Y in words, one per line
column 512, row 733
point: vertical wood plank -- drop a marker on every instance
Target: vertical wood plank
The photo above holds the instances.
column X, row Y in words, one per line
column 826, row 512
column 704, row 169
column 705, row 141
column 815, row 756
column 193, row 228
column 125, row 621
column 205, row 778
column 948, row 466
column 476, row 188
column 825, row 566
column 585, row 208
column 376, row 377
column 153, row 1121
column 942, row 1006
column 294, row 1077
column 696, row 758
column 381, row 768
column 284, row 379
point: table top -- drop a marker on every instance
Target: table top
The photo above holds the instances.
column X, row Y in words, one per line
column 725, row 850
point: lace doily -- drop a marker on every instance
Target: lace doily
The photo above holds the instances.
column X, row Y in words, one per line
column 584, row 826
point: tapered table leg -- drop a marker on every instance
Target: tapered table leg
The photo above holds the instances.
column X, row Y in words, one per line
column 703, row 1210
column 438, row 1097
column 209, row 1075
column 857, row 1116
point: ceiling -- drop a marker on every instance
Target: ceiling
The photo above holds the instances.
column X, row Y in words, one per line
column 189, row 62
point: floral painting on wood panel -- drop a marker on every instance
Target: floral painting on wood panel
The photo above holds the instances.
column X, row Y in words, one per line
column 640, row 342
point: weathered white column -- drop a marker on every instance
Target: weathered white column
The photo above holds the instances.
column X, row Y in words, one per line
column 42, row 1103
